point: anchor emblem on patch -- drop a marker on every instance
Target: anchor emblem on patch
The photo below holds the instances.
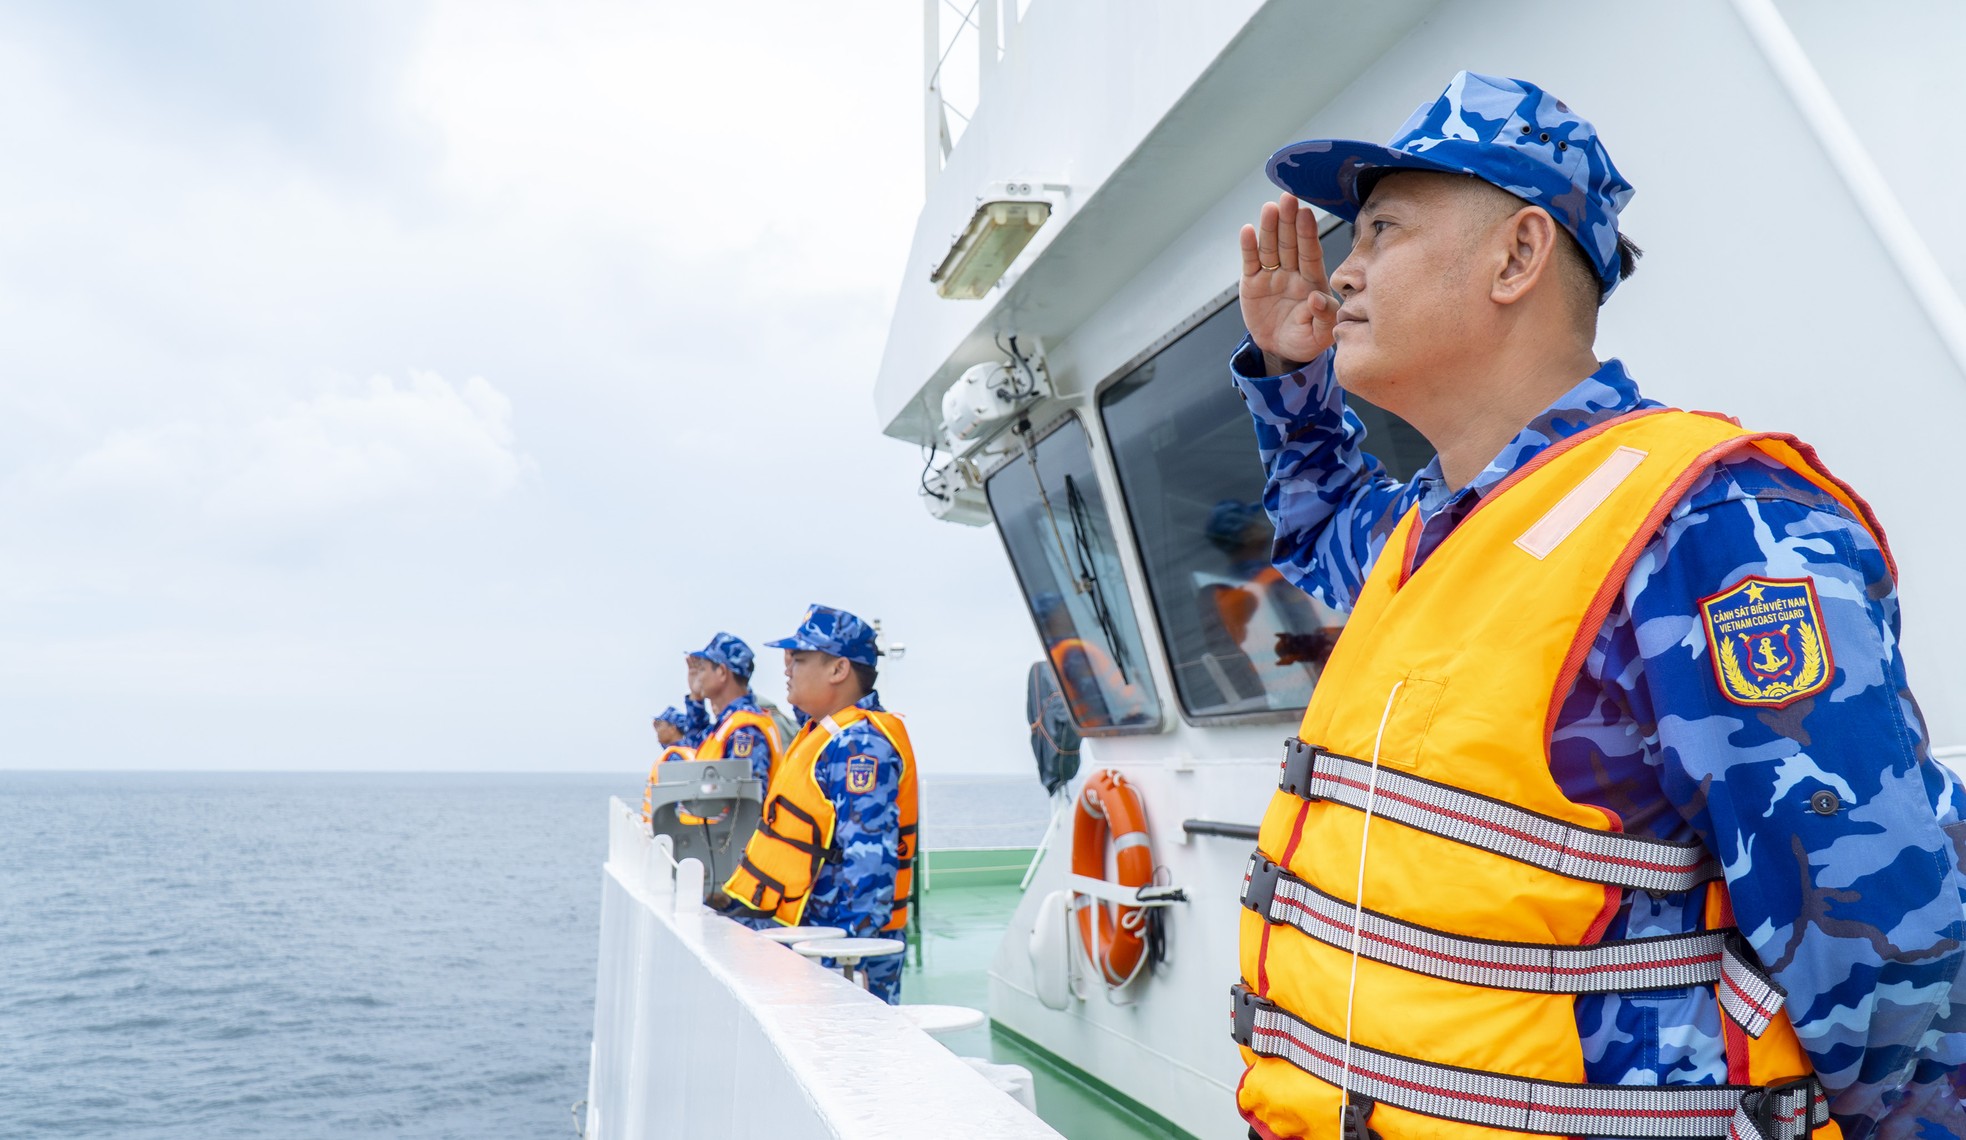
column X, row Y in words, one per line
column 1767, row 642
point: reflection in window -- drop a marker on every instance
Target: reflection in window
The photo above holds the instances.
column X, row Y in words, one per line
column 1241, row 638
column 1054, row 523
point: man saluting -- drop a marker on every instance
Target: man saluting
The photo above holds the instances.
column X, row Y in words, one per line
column 1612, row 814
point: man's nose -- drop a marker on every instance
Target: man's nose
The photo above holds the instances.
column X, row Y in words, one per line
column 1349, row 277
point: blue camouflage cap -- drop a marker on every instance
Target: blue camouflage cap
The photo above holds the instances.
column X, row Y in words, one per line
column 832, row 631
column 674, row 717
column 1504, row 131
column 728, row 651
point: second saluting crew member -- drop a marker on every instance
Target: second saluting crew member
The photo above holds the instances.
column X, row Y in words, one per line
column 720, row 674
column 837, row 843
column 1612, row 814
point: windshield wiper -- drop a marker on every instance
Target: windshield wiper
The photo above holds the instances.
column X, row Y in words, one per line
column 1081, row 516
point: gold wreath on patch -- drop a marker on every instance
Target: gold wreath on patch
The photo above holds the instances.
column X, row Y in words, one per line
column 1767, row 643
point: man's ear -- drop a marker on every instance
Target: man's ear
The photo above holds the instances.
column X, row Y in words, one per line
column 838, row 670
column 1531, row 236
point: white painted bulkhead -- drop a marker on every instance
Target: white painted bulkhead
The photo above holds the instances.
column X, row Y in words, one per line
column 1771, row 290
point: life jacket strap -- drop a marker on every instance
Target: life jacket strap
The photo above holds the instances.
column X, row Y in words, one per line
column 807, row 846
column 764, row 883
column 1608, row 857
column 1721, row 958
column 1785, row 1111
column 906, row 846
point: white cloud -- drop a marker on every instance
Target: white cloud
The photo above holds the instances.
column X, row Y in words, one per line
column 661, row 241
column 409, row 450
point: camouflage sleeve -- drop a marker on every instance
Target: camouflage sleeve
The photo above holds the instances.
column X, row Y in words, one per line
column 1801, row 760
column 697, row 723
column 861, row 773
column 1332, row 504
column 751, row 744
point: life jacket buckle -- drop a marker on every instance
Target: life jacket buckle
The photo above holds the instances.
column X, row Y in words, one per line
column 1785, row 1110
column 1299, row 761
column 1247, row 1004
column 1261, row 889
column 1358, row 1111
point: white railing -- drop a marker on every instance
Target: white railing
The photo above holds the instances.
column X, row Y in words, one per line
column 702, row 1028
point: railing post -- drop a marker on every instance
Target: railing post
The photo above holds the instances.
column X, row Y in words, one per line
column 689, row 886
column 931, row 96
column 658, row 870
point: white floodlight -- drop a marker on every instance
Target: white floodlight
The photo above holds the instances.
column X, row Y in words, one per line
column 1004, row 223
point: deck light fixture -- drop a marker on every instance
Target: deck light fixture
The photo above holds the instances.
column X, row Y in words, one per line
column 1005, row 221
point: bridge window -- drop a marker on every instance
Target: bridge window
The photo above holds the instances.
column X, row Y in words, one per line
column 1055, row 525
column 1241, row 640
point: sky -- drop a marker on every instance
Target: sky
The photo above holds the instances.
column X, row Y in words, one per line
column 407, row 385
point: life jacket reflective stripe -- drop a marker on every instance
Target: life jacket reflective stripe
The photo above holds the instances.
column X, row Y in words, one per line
column 1431, row 729
column 670, row 754
column 714, row 745
column 780, row 863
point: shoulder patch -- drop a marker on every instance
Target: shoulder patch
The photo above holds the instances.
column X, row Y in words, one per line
column 740, row 746
column 1767, row 640
column 860, row 772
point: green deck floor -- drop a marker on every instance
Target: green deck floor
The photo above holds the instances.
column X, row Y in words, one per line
column 966, row 906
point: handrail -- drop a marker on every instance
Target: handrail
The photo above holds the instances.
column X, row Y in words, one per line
column 1846, row 152
column 1218, row 828
column 704, row 1028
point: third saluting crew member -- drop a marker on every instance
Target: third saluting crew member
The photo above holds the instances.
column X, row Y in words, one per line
column 1612, row 814
column 837, row 843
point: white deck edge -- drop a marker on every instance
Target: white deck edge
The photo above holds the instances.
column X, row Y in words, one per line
column 702, row 1028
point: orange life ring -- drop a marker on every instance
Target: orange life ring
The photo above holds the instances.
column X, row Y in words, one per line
column 1113, row 935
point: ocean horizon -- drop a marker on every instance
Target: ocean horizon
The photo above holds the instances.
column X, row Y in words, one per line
column 219, row 954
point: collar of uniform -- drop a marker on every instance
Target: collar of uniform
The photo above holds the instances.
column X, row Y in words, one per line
column 746, row 703
column 1605, row 394
column 871, row 702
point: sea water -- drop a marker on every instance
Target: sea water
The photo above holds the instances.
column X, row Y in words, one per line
column 301, row 955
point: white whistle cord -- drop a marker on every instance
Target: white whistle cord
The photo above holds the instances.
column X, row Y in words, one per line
column 1358, row 911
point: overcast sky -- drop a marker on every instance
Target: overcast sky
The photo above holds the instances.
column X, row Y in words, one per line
column 406, row 385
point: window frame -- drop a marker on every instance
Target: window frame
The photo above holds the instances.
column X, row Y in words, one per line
column 1096, row 400
column 1148, row 636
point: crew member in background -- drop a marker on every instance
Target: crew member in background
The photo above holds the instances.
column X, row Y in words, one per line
column 1620, row 695
column 837, row 846
column 670, row 725
column 720, row 673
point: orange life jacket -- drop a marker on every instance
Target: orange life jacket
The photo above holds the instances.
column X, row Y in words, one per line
column 782, row 859
column 1442, row 991
column 670, row 754
column 1122, row 698
column 714, row 745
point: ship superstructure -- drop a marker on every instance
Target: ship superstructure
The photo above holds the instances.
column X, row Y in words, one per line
column 1060, row 343
column 1080, row 402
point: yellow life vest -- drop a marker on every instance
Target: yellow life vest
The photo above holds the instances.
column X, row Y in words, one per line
column 1443, row 994
column 714, row 745
column 783, row 857
column 670, row 754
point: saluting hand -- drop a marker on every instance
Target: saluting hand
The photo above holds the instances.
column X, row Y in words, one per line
column 1286, row 297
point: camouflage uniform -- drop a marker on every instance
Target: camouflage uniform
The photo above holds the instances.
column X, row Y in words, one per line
column 696, row 722
column 854, row 889
column 746, row 743
column 854, row 886
column 1854, row 900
